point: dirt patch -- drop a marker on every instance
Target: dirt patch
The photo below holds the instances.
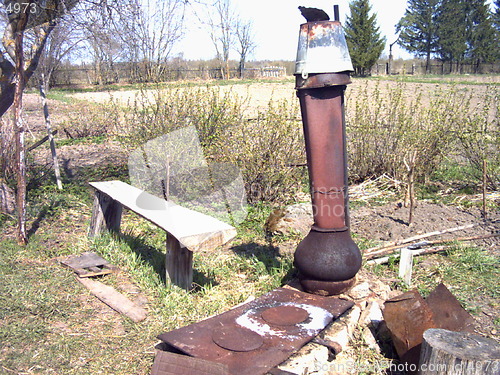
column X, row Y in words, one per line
column 390, row 222
column 255, row 97
column 34, row 118
column 72, row 158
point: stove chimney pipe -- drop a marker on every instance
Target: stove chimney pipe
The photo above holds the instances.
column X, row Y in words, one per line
column 327, row 258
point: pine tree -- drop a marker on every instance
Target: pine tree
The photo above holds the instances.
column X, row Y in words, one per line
column 451, row 19
column 363, row 37
column 466, row 32
column 481, row 33
column 418, row 29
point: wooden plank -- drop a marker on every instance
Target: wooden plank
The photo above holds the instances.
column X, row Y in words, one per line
column 40, row 142
column 84, row 272
column 193, row 229
column 406, row 265
column 167, row 363
column 88, row 264
column 114, row 299
column 178, row 264
column 107, row 212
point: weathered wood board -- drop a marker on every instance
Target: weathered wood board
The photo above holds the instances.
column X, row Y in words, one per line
column 88, row 264
column 114, row 299
column 194, row 230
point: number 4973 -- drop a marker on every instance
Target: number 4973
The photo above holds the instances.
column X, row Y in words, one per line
column 15, row 7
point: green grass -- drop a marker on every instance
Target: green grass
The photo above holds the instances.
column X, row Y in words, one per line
column 437, row 79
column 49, row 323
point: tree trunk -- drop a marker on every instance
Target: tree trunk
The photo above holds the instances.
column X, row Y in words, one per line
column 458, row 353
column 7, row 90
column 241, row 68
column 19, row 131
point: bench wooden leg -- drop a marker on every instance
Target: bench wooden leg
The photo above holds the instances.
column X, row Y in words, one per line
column 178, row 264
column 106, row 212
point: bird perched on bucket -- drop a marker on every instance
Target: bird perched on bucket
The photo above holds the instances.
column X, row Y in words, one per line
column 314, row 14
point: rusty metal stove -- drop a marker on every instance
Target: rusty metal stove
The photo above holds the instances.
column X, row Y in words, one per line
column 253, row 338
column 327, row 258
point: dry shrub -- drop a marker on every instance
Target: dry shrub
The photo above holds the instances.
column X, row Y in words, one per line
column 264, row 149
column 386, row 124
column 269, row 152
column 91, row 120
column 157, row 112
column 478, row 133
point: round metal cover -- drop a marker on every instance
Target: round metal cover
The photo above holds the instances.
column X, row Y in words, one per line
column 285, row 315
column 237, row 339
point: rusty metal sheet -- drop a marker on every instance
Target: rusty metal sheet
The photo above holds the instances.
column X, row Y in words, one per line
column 236, row 338
column 447, row 311
column 285, row 315
column 407, row 317
column 279, row 342
column 167, row 363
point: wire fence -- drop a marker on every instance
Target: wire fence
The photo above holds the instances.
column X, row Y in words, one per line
column 75, row 75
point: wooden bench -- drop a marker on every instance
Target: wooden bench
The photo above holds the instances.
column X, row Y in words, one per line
column 187, row 230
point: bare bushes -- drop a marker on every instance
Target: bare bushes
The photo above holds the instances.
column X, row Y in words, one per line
column 270, row 152
column 156, row 112
column 387, row 124
column 265, row 149
column 90, row 120
column 478, row 133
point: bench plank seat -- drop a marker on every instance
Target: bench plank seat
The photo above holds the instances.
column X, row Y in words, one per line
column 194, row 230
column 187, row 230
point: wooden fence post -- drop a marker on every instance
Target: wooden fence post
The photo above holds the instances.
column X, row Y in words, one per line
column 55, row 162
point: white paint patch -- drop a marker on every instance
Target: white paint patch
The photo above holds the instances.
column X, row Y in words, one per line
column 318, row 319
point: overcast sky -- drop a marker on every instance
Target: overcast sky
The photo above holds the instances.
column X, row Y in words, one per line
column 276, row 26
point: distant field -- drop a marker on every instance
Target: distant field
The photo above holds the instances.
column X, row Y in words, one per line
column 258, row 94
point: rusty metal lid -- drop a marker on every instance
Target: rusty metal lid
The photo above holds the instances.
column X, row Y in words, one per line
column 236, row 338
column 322, row 48
column 285, row 315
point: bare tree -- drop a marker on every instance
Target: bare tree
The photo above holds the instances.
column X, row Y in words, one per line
column 27, row 25
column 148, row 31
column 61, row 43
column 101, row 39
column 219, row 19
column 245, row 43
